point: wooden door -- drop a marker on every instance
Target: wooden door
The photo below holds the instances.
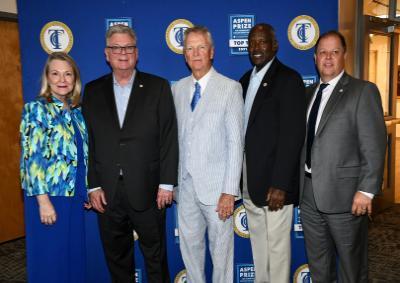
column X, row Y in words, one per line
column 11, row 200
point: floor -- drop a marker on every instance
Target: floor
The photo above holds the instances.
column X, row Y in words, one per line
column 383, row 249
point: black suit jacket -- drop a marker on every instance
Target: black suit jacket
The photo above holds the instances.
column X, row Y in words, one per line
column 145, row 148
column 275, row 133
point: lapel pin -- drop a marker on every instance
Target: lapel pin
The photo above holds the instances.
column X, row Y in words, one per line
column 265, row 84
column 140, row 85
column 341, row 90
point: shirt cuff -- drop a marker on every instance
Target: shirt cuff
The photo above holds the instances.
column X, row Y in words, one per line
column 371, row 196
column 166, row 187
column 94, row 189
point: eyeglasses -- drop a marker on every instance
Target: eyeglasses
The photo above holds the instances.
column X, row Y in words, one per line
column 126, row 49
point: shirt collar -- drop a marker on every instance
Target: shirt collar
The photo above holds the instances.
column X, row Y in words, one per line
column 260, row 74
column 333, row 82
column 204, row 80
column 130, row 82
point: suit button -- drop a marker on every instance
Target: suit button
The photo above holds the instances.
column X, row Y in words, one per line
column 121, row 144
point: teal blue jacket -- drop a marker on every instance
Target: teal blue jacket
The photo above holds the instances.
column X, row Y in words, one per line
column 48, row 150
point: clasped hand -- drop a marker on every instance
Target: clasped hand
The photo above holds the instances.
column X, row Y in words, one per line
column 275, row 199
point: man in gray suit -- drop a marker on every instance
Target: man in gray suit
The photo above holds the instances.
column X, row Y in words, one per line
column 342, row 166
column 210, row 129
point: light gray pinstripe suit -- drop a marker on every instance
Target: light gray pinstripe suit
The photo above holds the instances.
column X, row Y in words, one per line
column 211, row 152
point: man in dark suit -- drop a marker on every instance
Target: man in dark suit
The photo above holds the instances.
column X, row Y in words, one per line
column 133, row 157
column 341, row 166
column 274, row 123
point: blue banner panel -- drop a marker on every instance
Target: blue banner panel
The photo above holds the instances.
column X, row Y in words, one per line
column 79, row 27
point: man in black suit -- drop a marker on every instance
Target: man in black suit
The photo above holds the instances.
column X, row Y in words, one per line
column 274, row 122
column 133, row 157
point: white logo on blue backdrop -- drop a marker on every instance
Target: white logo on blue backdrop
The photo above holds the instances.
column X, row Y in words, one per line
column 303, row 32
column 174, row 34
column 180, row 277
column 245, row 273
column 126, row 21
column 240, row 222
column 309, row 80
column 240, row 26
column 297, row 227
column 302, row 274
column 56, row 36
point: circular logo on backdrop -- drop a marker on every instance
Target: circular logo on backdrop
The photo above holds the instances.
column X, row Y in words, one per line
column 240, row 222
column 302, row 275
column 174, row 34
column 303, row 32
column 56, row 36
column 180, row 277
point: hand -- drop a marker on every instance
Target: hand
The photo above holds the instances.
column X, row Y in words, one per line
column 87, row 205
column 275, row 199
column 362, row 204
column 164, row 198
column 98, row 200
column 225, row 206
column 48, row 215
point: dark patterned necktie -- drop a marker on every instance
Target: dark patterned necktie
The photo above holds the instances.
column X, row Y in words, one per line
column 312, row 119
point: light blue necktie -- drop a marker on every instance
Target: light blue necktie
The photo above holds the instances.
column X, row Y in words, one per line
column 196, row 95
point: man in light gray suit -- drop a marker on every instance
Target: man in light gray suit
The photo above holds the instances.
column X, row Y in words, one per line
column 209, row 110
column 342, row 166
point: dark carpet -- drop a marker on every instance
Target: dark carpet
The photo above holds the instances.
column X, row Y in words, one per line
column 384, row 246
column 384, row 251
column 12, row 262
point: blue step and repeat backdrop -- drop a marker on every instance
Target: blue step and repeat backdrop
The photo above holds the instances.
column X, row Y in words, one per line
column 78, row 27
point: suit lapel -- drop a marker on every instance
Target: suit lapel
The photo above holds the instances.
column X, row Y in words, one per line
column 245, row 83
column 262, row 91
column 336, row 95
column 110, row 101
column 310, row 92
column 185, row 101
column 136, row 91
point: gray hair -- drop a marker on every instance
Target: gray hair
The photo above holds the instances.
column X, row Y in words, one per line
column 120, row 29
column 199, row 29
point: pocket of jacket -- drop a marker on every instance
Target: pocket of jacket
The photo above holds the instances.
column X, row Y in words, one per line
column 348, row 172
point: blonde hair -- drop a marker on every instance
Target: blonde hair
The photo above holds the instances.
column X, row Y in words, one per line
column 75, row 95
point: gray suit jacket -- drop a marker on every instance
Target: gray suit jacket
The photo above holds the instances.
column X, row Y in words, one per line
column 213, row 152
column 348, row 152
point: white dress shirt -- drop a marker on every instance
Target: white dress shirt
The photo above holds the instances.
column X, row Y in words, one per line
column 202, row 82
column 255, row 81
